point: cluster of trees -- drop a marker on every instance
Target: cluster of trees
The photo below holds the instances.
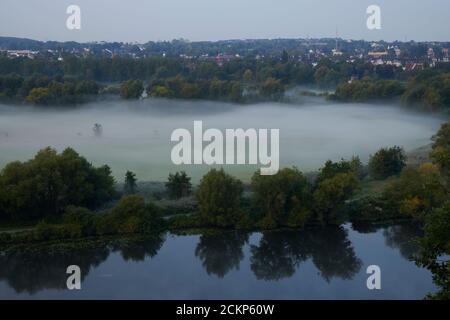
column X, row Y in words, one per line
column 45, row 185
column 429, row 88
column 131, row 89
column 368, row 90
column 130, row 216
column 436, row 242
column 286, row 199
column 43, row 90
column 246, row 77
column 212, row 89
column 420, row 193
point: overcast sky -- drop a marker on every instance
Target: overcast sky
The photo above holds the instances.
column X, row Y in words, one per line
column 144, row 20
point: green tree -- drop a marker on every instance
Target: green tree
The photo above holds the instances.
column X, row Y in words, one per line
column 440, row 154
column 330, row 169
column 46, row 184
column 130, row 185
column 272, row 88
column 39, row 96
column 133, row 215
column 248, row 76
column 131, row 89
column 179, row 185
column 283, row 198
column 415, row 192
column 219, row 198
column 387, row 162
column 330, row 196
column 435, row 250
column 160, row 91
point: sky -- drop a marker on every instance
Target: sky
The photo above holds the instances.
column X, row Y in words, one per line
column 153, row 20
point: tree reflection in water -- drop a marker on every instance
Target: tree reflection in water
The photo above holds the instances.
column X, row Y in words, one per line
column 45, row 268
column 280, row 253
column 221, row 251
column 404, row 237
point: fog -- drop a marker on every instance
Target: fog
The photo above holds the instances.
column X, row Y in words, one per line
column 136, row 135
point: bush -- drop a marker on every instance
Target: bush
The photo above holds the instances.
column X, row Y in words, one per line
column 387, row 162
column 133, row 215
column 81, row 217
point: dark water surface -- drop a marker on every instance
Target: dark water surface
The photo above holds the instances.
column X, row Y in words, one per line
column 327, row 263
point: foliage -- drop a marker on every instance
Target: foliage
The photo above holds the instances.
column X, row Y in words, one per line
column 415, row 192
column 130, row 185
column 440, row 154
column 219, row 198
column 46, row 184
column 387, row 162
column 330, row 169
column 330, row 196
column 179, row 185
column 368, row 90
column 131, row 89
column 435, row 249
column 431, row 89
column 282, row 199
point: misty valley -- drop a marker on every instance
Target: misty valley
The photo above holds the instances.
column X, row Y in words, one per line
column 310, row 262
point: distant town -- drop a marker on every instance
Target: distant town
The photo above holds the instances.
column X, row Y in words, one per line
column 410, row 56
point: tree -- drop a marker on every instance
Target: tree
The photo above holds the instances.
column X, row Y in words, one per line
column 248, row 76
column 131, row 89
column 46, row 184
column 330, row 169
column 435, row 250
column 415, row 192
column 236, row 92
column 39, row 96
column 130, row 185
column 283, row 198
column 219, row 198
column 440, row 154
column 272, row 88
column 179, row 185
column 330, row 196
column 387, row 162
column 160, row 91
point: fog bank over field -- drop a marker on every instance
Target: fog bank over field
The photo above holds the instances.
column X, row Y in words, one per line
column 136, row 135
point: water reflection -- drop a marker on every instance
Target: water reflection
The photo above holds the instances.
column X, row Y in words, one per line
column 45, row 268
column 403, row 237
column 221, row 251
column 39, row 270
column 270, row 256
column 280, row 253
